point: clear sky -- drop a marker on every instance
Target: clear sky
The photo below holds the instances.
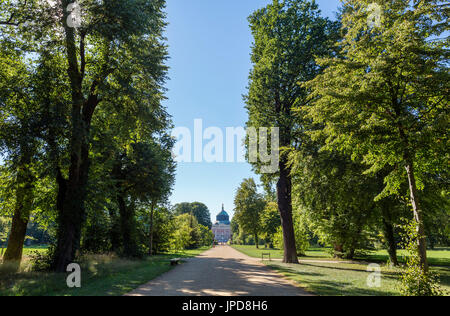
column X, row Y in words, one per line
column 209, row 46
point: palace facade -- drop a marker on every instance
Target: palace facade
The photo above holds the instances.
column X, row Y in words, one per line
column 221, row 228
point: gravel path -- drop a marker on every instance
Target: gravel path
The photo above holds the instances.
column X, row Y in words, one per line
column 220, row 271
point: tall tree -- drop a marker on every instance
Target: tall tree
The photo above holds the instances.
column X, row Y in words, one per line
column 19, row 144
column 248, row 208
column 107, row 44
column 22, row 126
column 287, row 34
column 118, row 48
column 385, row 97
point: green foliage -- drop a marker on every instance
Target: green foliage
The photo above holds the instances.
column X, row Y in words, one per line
column 96, row 234
column 5, row 224
column 248, row 208
column 414, row 280
column 199, row 210
column 189, row 234
column 288, row 35
column 206, row 235
column 302, row 238
column 278, row 238
column 41, row 261
column 182, row 236
column 81, row 113
column 270, row 222
column 383, row 97
column 334, row 199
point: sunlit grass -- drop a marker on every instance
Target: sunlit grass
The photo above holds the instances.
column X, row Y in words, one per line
column 101, row 275
column 311, row 254
column 348, row 278
column 439, row 256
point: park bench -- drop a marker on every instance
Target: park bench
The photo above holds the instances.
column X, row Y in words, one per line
column 265, row 254
column 174, row 261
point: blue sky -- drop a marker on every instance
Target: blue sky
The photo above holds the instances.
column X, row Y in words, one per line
column 209, row 46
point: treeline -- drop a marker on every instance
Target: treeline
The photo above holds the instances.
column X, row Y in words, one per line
column 84, row 137
column 362, row 110
column 259, row 224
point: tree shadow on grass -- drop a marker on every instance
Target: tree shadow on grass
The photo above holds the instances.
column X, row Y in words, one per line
column 388, row 274
column 289, row 271
column 329, row 288
column 333, row 288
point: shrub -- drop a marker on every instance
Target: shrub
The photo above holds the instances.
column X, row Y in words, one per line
column 415, row 281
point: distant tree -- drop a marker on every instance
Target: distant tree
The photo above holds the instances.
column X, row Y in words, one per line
column 270, row 222
column 199, row 210
column 189, row 234
column 163, row 228
column 248, row 208
column 234, row 226
column 182, row 235
column 145, row 173
column 207, row 236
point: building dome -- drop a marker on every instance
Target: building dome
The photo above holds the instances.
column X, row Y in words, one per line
column 223, row 217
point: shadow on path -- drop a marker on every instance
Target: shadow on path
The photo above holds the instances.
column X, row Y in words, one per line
column 220, row 271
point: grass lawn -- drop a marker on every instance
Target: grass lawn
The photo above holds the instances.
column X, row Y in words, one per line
column 437, row 257
column 27, row 250
column 100, row 275
column 346, row 278
column 311, row 254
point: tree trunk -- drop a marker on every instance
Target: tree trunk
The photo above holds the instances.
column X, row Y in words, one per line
column 24, row 201
column 127, row 225
column 421, row 241
column 72, row 213
column 114, row 232
column 256, row 241
column 284, row 188
column 388, row 231
column 338, row 251
column 151, row 231
column 350, row 254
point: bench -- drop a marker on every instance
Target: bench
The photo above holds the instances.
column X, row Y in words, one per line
column 175, row 261
column 265, row 254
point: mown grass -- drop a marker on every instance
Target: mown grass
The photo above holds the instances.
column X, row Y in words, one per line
column 101, row 275
column 437, row 257
column 311, row 254
column 28, row 250
column 346, row 278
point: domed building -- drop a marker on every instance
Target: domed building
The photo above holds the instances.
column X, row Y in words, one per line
column 221, row 228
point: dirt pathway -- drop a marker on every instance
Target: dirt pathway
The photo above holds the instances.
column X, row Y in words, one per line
column 221, row 271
